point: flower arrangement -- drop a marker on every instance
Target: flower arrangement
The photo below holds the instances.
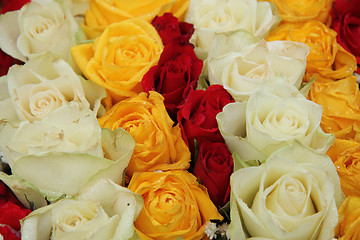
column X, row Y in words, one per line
column 179, row 119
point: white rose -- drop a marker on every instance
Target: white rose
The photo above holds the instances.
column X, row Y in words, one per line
column 247, row 64
column 60, row 154
column 36, row 29
column 103, row 210
column 294, row 195
column 42, row 85
column 275, row 115
column 218, row 16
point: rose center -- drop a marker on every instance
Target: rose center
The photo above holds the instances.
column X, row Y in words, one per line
column 41, row 28
column 43, row 102
column 74, row 216
column 214, row 18
column 287, row 120
column 289, row 196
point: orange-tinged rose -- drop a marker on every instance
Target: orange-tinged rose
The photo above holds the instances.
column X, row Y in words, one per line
column 349, row 219
column 105, row 12
column 341, row 106
column 327, row 58
column 158, row 145
column 120, row 57
column 300, row 11
column 175, row 205
column 346, row 157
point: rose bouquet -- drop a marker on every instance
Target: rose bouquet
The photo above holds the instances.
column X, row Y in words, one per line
column 179, row 119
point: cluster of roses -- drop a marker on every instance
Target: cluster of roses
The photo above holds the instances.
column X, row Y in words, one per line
column 50, row 130
column 175, row 77
column 330, row 29
column 166, row 107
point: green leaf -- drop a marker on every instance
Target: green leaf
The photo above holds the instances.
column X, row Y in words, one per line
column 238, row 162
column 203, row 84
column 305, row 87
column 225, row 212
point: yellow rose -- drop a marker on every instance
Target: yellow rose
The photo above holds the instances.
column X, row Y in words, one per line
column 349, row 219
column 300, row 11
column 119, row 58
column 175, row 205
column 158, row 145
column 341, row 106
column 327, row 58
column 105, row 12
column 346, row 157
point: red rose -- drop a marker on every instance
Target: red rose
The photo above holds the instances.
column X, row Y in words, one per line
column 213, row 167
column 346, row 22
column 197, row 115
column 171, row 30
column 11, row 5
column 11, row 210
column 176, row 73
column 8, row 233
column 6, row 62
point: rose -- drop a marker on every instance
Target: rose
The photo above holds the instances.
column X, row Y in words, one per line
column 11, row 214
column 103, row 13
column 42, row 85
column 176, row 73
column 213, row 167
column 158, row 144
column 197, row 116
column 6, row 62
column 219, row 16
column 36, row 29
column 64, row 151
column 326, row 58
column 346, row 21
column 7, row 196
column 306, row 11
column 337, row 98
column 349, row 216
column 11, row 210
column 292, row 196
column 275, row 115
column 120, row 57
column 175, row 205
column 103, row 210
column 247, row 64
column 8, row 5
column 346, row 157
column 7, row 233
column 170, row 29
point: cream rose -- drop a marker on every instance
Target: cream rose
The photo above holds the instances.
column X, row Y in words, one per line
column 36, row 29
column 103, row 210
column 217, row 16
column 246, row 64
column 294, row 195
column 275, row 115
column 60, row 154
column 42, row 85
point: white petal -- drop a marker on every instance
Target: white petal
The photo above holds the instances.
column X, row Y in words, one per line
column 9, row 34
